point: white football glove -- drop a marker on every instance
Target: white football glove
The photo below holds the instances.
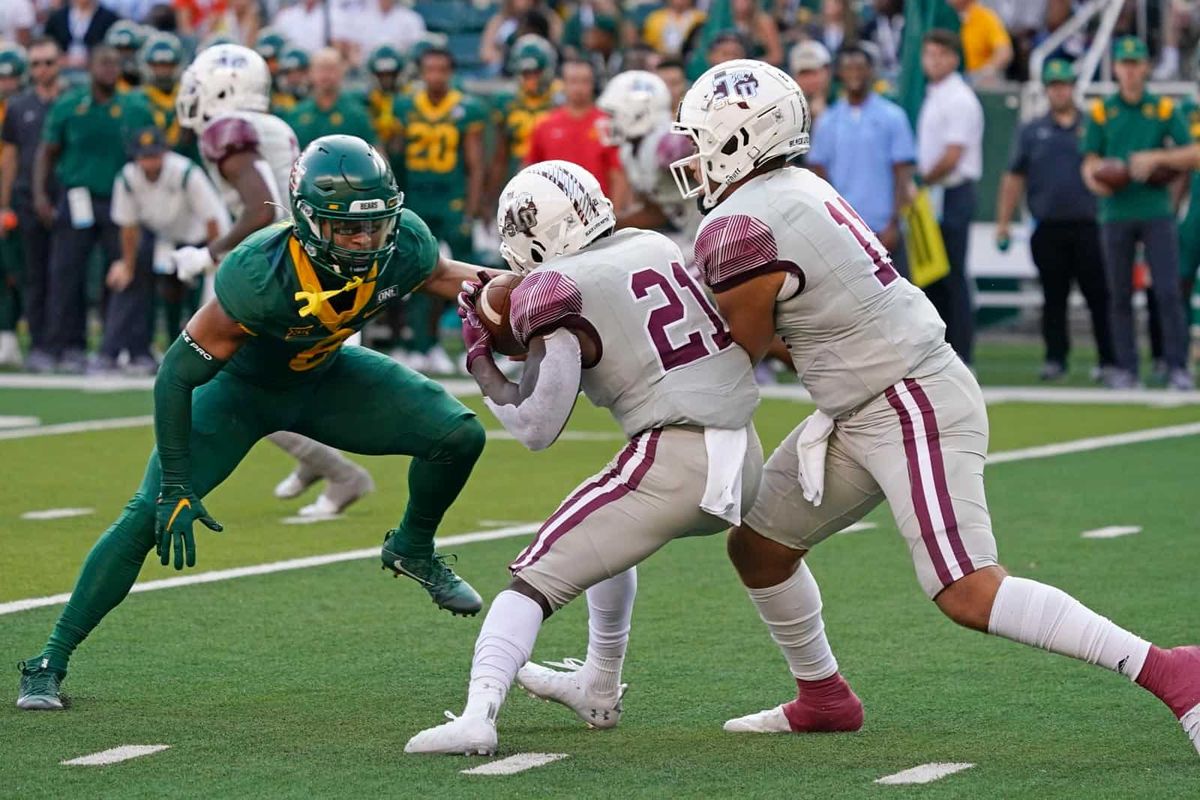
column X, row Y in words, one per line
column 191, row 263
column 811, row 446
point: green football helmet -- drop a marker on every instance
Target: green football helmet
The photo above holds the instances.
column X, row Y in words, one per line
column 13, row 61
column 345, row 205
column 384, row 59
column 293, row 58
column 531, row 53
column 270, row 44
column 125, row 35
column 161, row 49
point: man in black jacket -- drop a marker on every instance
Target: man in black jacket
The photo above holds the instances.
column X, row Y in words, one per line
column 77, row 27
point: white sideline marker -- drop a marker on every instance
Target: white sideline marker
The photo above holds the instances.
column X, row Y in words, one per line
column 58, row 513
column 514, row 764
column 115, row 755
column 1112, row 532
column 858, row 527
column 926, row 773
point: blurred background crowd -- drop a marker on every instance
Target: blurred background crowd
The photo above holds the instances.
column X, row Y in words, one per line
column 1012, row 119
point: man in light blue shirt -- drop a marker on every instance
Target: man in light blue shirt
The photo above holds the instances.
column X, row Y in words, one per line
column 863, row 145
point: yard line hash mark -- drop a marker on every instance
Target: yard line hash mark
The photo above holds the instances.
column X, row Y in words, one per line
column 115, row 755
column 925, row 773
column 514, row 764
column 1112, row 532
column 1026, row 454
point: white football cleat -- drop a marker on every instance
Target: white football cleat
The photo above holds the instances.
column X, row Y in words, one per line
column 1191, row 726
column 464, row 736
column 339, row 495
column 772, row 720
column 321, row 508
column 566, row 688
column 294, row 485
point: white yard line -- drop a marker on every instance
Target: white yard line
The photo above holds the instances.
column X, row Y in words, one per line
column 857, row 527
column 1112, row 532
column 115, row 755
column 513, row 764
column 57, row 513
column 1026, row 454
column 272, row 567
column 9, row 421
column 926, row 773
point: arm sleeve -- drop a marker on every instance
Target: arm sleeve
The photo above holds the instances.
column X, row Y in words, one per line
column 537, row 421
column 733, row 249
column 185, row 366
column 124, row 211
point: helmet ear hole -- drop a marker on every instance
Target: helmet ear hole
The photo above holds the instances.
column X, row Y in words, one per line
column 731, row 145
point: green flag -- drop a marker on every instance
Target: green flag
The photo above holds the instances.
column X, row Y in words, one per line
column 920, row 17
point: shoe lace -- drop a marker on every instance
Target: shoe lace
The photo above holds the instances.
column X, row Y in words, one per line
column 569, row 664
column 440, row 574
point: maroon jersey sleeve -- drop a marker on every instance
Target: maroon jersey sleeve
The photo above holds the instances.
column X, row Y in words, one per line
column 734, row 249
column 546, row 301
column 226, row 137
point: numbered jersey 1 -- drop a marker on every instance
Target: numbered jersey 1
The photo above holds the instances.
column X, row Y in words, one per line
column 272, row 139
column 665, row 355
column 853, row 326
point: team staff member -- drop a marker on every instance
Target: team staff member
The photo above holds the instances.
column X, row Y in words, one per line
column 329, row 109
column 1148, row 131
column 13, row 67
column 19, row 138
column 577, row 133
column 83, row 144
column 441, row 132
column 1189, row 228
column 1066, row 241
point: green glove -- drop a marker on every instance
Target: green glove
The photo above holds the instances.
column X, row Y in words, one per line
column 177, row 509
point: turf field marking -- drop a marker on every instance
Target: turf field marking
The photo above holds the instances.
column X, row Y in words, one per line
column 1095, row 443
column 275, row 566
column 857, row 527
column 514, row 764
column 58, row 513
column 925, row 773
column 309, row 520
column 115, row 755
column 1112, row 532
column 19, row 422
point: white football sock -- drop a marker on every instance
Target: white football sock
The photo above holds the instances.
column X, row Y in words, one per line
column 504, row 645
column 610, row 607
column 316, row 460
column 1038, row 615
column 792, row 612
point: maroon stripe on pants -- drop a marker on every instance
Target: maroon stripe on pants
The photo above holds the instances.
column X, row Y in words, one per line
column 939, row 476
column 612, row 495
column 918, row 489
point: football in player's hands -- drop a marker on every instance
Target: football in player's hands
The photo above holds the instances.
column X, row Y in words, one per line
column 493, row 308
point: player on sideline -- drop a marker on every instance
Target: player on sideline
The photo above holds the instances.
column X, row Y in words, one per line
column 224, row 96
column 899, row 415
column 615, row 314
column 266, row 355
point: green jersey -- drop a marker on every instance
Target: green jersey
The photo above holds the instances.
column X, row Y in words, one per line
column 347, row 115
column 434, row 136
column 272, row 290
column 1117, row 129
column 517, row 113
column 93, row 136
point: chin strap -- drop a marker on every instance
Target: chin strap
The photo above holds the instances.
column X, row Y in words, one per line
column 313, row 300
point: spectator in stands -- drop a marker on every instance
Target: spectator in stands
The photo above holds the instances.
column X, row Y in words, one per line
column 757, row 27
column 83, row 142
column 1066, row 242
column 78, row 26
column 600, row 45
column 161, row 201
column 576, row 133
column 667, row 28
column 640, row 56
column 1149, row 132
column 17, row 20
column 809, row 65
column 674, row 74
column 863, row 145
column 305, row 24
column 987, row 48
column 19, row 139
column 294, row 80
column 725, row 46
column 328, row 109
column 133, row 10
column 240, row 22
column 950, row 159
column 885, row 30
column 357, row 31
column 502, row 29
column 831, row 25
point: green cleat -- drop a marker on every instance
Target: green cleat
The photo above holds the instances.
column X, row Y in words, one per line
column 447, row 589
column 41, row 687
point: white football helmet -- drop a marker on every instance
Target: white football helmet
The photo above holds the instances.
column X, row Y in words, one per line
column 225, row 77
column 550, row 209
column 739, row 114
column 637, row 102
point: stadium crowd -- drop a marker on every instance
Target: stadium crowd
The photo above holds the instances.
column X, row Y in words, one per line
column 99, row 183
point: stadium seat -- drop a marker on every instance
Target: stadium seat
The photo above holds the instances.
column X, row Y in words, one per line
column 442, row 15
column 465, row 47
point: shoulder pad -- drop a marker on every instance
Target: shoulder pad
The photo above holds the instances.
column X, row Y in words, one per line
column 733, row 249
column 544, row 301
column 226, row 137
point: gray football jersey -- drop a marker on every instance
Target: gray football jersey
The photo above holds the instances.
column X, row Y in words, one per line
column 854, row 326
column 244, row 131
column 665, row 355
